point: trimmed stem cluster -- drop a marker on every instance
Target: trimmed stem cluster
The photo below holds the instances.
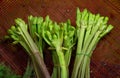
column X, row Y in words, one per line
column 90, row 29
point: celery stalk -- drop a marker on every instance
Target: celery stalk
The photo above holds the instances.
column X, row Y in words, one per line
column 81, row 33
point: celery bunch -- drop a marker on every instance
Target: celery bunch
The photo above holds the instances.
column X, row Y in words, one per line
column 20, row 34
column 60, row 37
column 90, row 29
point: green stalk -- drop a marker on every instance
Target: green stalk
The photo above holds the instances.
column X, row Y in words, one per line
column 62, row 63
column 88, row 52
column 94, row 30
column 68, row 57
column 68, row 40
column 28, row 70
column 80, row 43
column 59, row 51
column 90, row 25
column 80, row 70
column 35, row 32
column 87, row 69
column 40, row 42
column 88, row 31
column 109, row 28
column 37, row 71
column 56, row 72
column 32, row 26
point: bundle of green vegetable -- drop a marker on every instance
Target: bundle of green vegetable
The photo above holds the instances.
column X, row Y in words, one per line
column 20, row 34
column 90, row 29
column 61, row 39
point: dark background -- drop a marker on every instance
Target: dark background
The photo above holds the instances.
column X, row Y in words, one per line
column 105, row 61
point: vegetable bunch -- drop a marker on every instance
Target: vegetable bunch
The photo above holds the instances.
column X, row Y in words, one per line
column 90, row 29
column 61, row 38
column 20, row 34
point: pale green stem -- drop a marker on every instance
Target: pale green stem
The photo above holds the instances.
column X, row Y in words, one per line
column 61, row 59
column 89, row 52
